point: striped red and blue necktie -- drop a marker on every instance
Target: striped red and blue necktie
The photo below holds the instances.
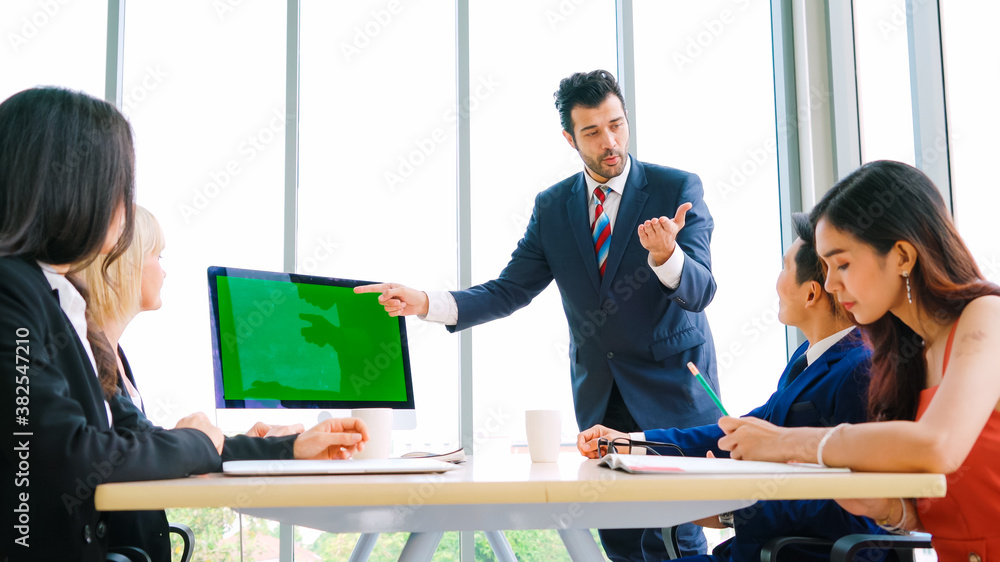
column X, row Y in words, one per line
column 601, row 229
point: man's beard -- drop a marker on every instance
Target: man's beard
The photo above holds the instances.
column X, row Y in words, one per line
column 597, row 166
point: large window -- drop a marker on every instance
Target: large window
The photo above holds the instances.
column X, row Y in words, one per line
column 204, row 86
column 53, row 44
column 883, row 74
column 705, row 104
column 377, row 188
column 517, row 151
column 972, row 78
column 209, row 133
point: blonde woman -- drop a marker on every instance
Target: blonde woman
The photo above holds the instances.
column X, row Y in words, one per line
column 118, row 293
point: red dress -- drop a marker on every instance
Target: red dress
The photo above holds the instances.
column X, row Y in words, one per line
column 965, row 523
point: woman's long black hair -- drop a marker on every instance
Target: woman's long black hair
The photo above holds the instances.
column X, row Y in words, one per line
column 67, row 166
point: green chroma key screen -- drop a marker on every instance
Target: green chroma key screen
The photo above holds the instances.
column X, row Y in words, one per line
column 299, row 341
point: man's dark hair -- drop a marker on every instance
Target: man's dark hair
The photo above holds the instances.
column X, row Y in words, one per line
column 66, row 167
column 586, row 89
column 808, row 265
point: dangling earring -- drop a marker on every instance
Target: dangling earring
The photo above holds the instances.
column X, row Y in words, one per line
column 909, row 298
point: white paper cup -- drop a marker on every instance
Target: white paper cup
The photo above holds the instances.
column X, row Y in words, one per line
column 544, row 429
column 379, row 423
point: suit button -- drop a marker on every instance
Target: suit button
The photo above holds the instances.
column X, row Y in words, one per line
column 973, row 557
column 611, row 355
column 88, row 537
column 101, row 530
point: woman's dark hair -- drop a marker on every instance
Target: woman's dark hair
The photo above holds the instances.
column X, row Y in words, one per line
column 883, row 203
column 586, row 89
column 66, row 167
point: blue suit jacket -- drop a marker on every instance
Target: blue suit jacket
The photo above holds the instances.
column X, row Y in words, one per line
column 627, row 327
column 830, row 391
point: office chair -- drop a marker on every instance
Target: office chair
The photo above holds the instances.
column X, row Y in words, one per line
column 670, row 541
column 845, row 548
column 132, row 554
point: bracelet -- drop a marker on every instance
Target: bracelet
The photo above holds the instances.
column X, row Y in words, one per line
column 898, row 527
column 822, row 443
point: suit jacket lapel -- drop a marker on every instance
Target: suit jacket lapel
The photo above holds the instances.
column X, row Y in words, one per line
column 814, row 372
column 626, row 223
column 579, row 224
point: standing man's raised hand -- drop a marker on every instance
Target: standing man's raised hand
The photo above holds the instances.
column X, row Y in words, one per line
column 659, row 235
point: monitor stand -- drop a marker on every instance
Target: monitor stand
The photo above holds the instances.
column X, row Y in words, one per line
column 233, row 421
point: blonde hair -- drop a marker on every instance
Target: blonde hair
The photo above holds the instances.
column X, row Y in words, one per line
column 117, row 298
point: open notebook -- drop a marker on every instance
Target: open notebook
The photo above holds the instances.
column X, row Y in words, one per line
column 350, row 466
column 652, row 464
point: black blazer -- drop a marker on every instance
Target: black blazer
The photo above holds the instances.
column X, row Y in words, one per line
column 53, row 462
column 149, row 530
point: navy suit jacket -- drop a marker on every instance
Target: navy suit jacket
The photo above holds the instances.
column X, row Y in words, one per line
column 626, row 327
column 830, row 391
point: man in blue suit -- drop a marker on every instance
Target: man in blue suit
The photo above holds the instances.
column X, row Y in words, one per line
column 824, row 384
column 634, row 284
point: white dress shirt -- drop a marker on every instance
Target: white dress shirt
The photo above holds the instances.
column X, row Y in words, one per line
column 133, row 392
column 813, row 352
column 442, row 308
column 75, row 308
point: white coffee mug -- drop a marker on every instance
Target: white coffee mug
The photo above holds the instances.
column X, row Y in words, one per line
column 379, row 424
column 544, row 429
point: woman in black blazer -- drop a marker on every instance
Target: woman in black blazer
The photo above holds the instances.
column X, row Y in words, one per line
column 66, row 191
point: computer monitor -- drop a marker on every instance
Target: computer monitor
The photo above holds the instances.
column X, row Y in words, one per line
column 283, row 341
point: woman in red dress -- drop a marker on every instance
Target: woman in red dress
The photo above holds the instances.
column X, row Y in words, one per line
column 897, row 263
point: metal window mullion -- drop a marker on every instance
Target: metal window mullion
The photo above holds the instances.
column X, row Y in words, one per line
column 844, row 86
column 115, row 61
column 927, row 92
column 626, row 67
column 464, row 235
column 292, row 74
column 787, row 135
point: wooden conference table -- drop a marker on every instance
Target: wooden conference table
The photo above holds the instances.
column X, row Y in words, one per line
column 497, row 493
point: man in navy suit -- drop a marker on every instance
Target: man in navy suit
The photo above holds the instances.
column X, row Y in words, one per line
column 634, row 284
column 824, row 384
